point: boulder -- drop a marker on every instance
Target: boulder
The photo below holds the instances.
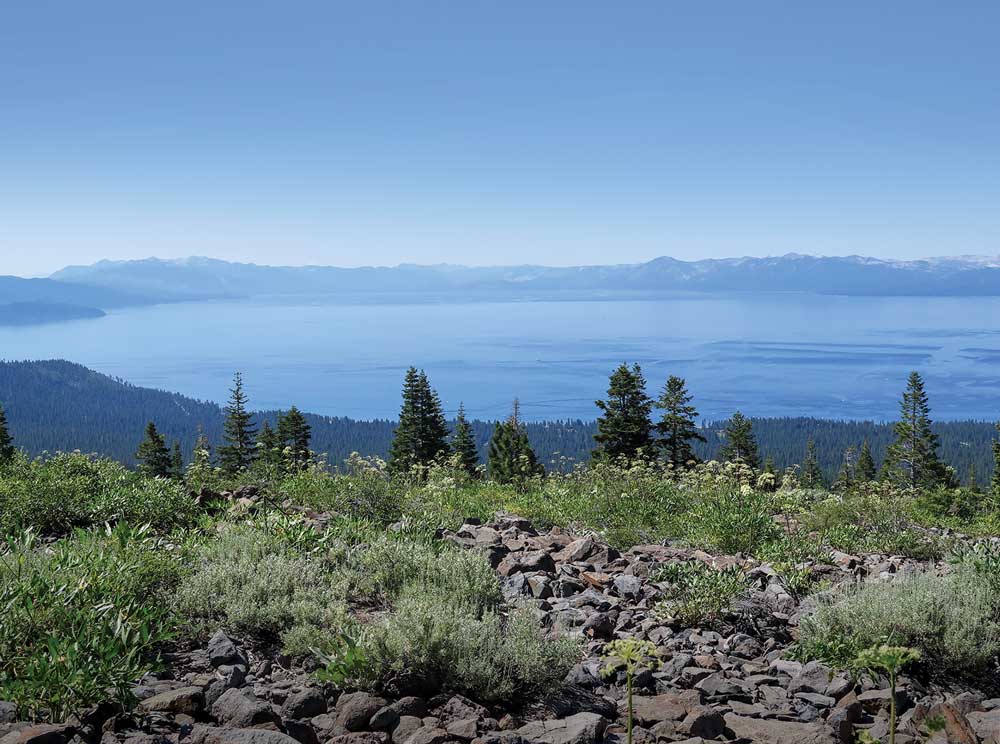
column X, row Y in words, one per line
column 215, row 735
column 773, row 731
column 221, row 650
column 237, row 710
column 356, row 709
column 189, row 700
column 582, row 728
column 306, row 703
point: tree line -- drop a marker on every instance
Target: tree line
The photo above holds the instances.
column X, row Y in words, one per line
column 630, row 425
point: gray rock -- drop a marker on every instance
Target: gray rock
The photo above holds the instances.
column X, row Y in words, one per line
column 405, row 727
column 214, row 735
column 525, row 561
column 425, row 735
column 583, row 728
column 221, row 650
column 42, row 733
column 306, row 703
column 773, row 731
column 239, row 711
column 356, row 709
column 361, row 737
column 8, row 712
column 703, row 721
column 814, row 677
column 189, row 700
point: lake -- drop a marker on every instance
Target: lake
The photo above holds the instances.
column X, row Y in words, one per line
column 768, row 355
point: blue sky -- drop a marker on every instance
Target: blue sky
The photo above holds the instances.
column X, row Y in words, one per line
column 495, row 132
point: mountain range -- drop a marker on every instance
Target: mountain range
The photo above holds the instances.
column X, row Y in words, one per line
column 84, row 291
column 205, row 278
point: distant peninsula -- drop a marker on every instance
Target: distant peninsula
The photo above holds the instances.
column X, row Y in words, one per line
column 37, row 313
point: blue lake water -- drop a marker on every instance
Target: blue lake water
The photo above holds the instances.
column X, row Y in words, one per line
column 769, row 355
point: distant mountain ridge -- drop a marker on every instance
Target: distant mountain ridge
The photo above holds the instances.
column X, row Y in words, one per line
column 206, row 278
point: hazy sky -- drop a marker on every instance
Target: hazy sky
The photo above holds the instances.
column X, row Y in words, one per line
column 496, row 132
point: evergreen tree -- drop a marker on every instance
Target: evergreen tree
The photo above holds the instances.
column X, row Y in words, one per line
column 624, row 430
column 812, row 476
column 270, row 449
column 295, row 436
column 741, row 444
column 847, row 473
column 972, row 479
column 511, row 458
column 6, row 440
column 176, row 461
column 912, row 458
column 995, row 480
column 237, row 453
column 677, row 427
column 865, row 471
column 463, row 443
column 422, row 434
column 153, row 455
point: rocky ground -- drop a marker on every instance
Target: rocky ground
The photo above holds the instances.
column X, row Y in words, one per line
column 729, row 684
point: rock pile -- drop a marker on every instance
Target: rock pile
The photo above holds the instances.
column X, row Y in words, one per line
column 733, row 683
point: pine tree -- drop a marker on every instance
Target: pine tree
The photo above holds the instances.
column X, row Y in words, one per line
column 972, row 479
column 847, row 473
column 677, row 427
column 812, row 475
column 176, row 461
column 511, row 458
column 6, row 440
column 153, row 455
column 741, row 444
column 770, row 469
column 912, row 458
column 295, row 436
column 422, row 434
column 463, row 443
column 624, row 430
column 270, row 449
column 995, row 480
column 239, row 431
column 865, row 471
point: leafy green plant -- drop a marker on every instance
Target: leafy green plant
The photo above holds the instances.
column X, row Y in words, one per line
column 633, row 654
column 696, row 593
column 344, row 661
column 83, row 619
column 891, row 660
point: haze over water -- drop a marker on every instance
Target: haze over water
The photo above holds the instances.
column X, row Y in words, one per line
column 769, row 355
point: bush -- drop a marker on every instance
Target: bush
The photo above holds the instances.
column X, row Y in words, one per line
column 698, row 594
column 256, row 582
column 952, row 620
column 732, row 520
column 53, row 495
column 439, row 645
column 81, row 620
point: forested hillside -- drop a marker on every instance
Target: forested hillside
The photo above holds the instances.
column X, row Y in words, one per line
column 57, row 405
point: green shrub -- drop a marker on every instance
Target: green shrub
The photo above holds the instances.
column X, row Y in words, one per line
column 257, row 583
column 446, row 647
column 732, row 520
column 950, row 619
column 55, row 494
column 82, row 619
column 697, row 594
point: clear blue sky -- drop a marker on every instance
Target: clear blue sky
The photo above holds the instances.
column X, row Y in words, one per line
column 496, row 132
